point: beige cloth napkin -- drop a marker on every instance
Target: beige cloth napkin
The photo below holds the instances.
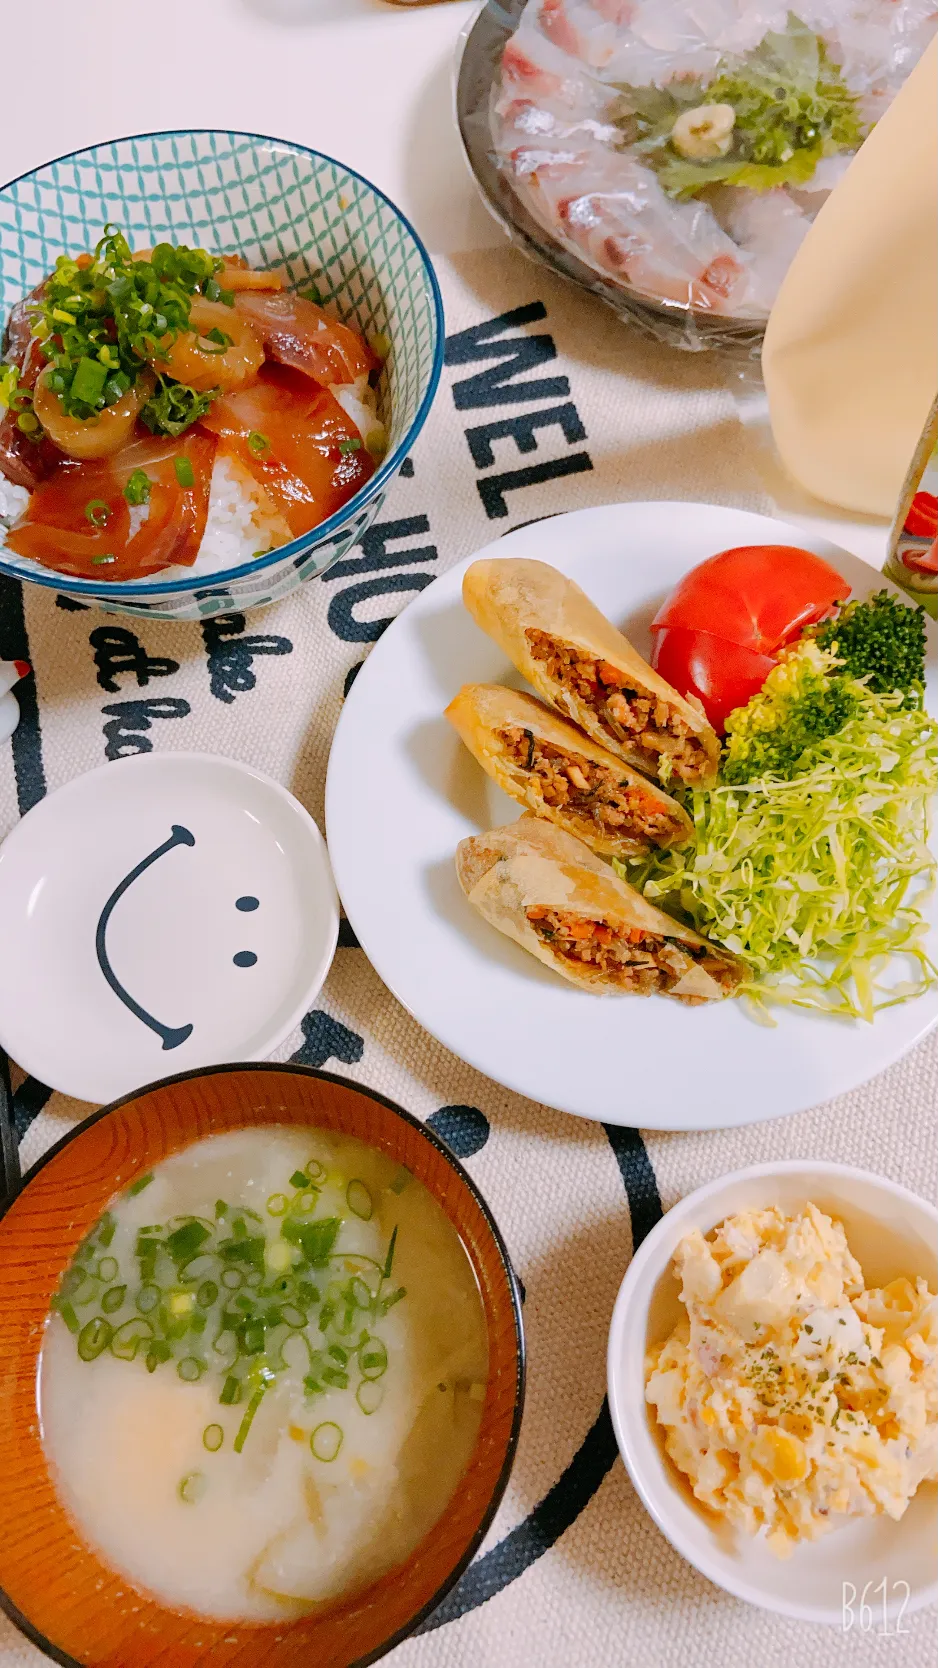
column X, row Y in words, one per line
column 849, row 358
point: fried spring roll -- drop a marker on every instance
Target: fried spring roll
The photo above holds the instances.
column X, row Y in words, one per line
column 553, row 770
column 545, row 889
column 579, row 662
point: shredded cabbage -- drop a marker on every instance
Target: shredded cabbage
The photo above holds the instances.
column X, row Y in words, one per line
column 816, row 883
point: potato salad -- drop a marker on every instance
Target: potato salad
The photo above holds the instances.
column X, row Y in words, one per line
column 792, row 1398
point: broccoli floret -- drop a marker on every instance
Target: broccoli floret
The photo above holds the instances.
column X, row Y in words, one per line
column 800, row 705
column 882, row 640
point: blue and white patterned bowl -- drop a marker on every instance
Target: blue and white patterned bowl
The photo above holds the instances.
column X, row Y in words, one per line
column 279, row 205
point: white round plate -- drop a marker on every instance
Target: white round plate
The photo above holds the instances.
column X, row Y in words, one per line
column 162, row 913
column 402, row 791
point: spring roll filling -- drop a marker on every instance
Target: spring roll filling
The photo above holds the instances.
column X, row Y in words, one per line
column 595, row 794
column 637, row 961
column 644, row 722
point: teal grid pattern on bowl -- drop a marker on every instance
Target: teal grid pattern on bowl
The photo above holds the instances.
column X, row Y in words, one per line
column 278, row 205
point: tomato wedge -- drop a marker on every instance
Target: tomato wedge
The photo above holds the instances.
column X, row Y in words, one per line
column 722, row 675
column 79, row 521
column 716, row 634
column 297, row 442
column 757, row 596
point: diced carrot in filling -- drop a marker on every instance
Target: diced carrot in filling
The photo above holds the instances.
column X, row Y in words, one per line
column 637, row 961
column 643, row 721
column 593, row 794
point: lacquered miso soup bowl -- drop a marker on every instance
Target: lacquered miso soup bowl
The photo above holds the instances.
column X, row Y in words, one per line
column 57, row 1589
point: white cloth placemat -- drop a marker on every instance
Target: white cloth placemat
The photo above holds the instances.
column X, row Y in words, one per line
column 573, row 1572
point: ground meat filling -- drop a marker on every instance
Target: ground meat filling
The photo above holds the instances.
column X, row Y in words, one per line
column 640, row 962
column 594, row 794
column 639, row 720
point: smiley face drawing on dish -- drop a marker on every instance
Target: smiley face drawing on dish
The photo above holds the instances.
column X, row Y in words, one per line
column 172, row 1035
column 175, row 910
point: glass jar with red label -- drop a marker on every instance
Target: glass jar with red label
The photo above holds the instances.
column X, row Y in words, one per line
column 911, row 552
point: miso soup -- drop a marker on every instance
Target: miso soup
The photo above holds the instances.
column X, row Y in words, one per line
column 264, row 1373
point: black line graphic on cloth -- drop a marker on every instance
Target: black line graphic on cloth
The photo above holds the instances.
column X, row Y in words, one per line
column 578, row 1483
column 26, row 741
column 172, row 1035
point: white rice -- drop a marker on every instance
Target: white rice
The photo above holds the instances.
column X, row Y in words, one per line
column 13, row 501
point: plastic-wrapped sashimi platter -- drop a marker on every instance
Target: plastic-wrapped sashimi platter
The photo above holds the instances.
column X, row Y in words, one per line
column 672, row 154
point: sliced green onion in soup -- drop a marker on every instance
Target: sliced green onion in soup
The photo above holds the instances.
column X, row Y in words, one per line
column 359, row 1199
column 212, row 1438
column 315, row 1170
column 190, row 1369
column 148, row 1298
column 192, row 1488
column 107, row 1268
column 246, row 1422
column 112, row 1299
column 293, row 1316
column 373, row 1358
column 128, row 1338
column 370, row 1395
column 277, row 1204
column 94, row 1338
column 326, row 1441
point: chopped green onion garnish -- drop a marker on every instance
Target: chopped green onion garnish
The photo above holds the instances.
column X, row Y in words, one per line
column 326, row 1441
column 369, row 1395
column 102, row 561
column 401, row 1180
column 350, row 445
column 389, row 1260
column 246, row 1422
column 112, row 1300
column 207, row 1294
column 315, row 1170
column 89, row 379
column 212, row 1438
column 137, row 491
column 94, row 1338
column 184, row 472
column 299, row 1179
column 359, row 1199
column 97, row 512
column 107, row 1268
column 129, row 1337
column 192, row 1488
column 68, row 1315
column 258, row 443
column 277, row 1204
column 373, row 1359
column 147, row 1298
column 231, row 1392
column 189, row 1369
column 220, row 341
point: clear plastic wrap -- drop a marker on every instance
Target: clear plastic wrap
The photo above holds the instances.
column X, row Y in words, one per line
column 596, row 142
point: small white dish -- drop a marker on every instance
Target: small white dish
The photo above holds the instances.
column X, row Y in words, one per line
column 162, row 913
column 402, row 792
column 891, row 1232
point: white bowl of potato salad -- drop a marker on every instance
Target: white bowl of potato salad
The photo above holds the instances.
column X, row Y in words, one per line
column 772, row 1382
